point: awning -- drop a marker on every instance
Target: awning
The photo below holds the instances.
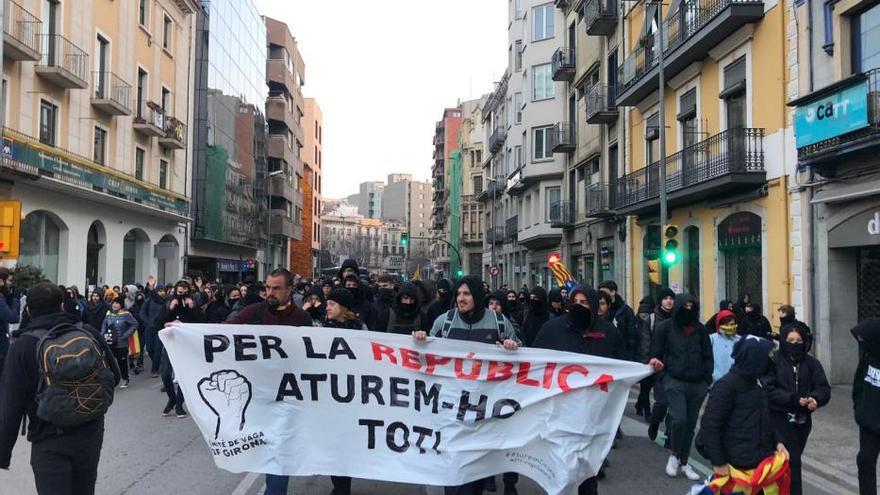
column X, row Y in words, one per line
column 847, row 192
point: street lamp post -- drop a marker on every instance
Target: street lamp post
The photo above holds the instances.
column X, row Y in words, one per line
column 494, row 182
column 664, row 214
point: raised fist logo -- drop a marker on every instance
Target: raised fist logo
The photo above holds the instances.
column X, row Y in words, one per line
column 228, row 394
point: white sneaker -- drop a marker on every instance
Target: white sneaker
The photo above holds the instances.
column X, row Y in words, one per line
column 672, row 466
column 124, row 384
column 690, row 474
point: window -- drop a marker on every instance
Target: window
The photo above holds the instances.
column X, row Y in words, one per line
column 692, row 261
column 517, row 150
column 48, row 123
column 141, row 93
column 542, row 22
column 541, row 143
column 101, row 51
column 553, row 195
column 734, row 94
column 517, row 107
column 163, row 174
column 139, row 155
column 99, row 152
column 543, row 86
column 518, row 53
column 866, row 40
column 518, row 9
column 167, row 33
column 166, row 100
column 143, row 12
column 652, row 139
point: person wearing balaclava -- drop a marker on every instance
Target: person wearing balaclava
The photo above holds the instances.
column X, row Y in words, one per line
column 363, row 303
column 754, row 323
column 556, row 303
column 535, row 315
column 443, row 301
column 581, row 330
column 796, row 386
column 788, row 318
column 315, row 304
column 470, row 320
column 406, row 315
column 736, row 430
column 384, row 300
column 866, row 402
column 726, row 304
column 682, row 349
column 514, row 308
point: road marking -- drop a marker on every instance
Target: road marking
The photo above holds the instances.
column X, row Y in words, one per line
column 246, row 483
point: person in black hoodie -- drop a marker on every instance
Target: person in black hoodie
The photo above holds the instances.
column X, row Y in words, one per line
column 662, row 312
column 581, row 330
column 754, row 323
column 683, row 350
column 622, row 317
column 796, row 386
column 646, row 316
column 866, row 402
column 788, row 317
column 215, row 308
column 514, row 308
column 363, row 303
column 736, row 429
column 384, row 299
column 443, row 302
column 96, row 310
column 180, row 307
column 535, row 315
column 64, row 460
column 406, row 314
column 315, row 304
column 555, row 303
column 710, row 323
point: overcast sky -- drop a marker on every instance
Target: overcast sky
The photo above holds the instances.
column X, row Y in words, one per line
column 383, row 71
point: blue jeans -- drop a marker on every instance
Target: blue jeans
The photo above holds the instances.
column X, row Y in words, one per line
column 276, row 485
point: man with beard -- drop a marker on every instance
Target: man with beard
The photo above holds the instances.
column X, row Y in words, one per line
column 406, row 315
column 363, row 303
column 277, row 309
column 582, row 331
column 384, row 300
column 683, row 350
column 622, row 317
column 536, row 315
column 443, row 301
column 866, row 403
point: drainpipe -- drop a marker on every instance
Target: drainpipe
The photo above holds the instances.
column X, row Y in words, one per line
column 809, row 45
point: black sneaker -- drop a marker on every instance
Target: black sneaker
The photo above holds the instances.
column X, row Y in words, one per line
column 180, row 412
column 653, row 428
column 168, row 408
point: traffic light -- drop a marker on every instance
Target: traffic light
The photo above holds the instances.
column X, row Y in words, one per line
column 404, row 239
column 670, row 255
column 10, row 228
column 459, row 273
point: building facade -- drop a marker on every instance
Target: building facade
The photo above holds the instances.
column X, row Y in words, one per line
column 467, row 209
column 373, row 243
column 368, row 199
column 410, row 201
column 304, row 252
column 96, row 99
column 230, row 179
column 285, row 111
column 446, row 135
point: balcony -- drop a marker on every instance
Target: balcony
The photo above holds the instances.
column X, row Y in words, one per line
column 724, row 164
column 690, row 32
column 493, row 188
column 598, row 201
column 112, row 94
column 21, row 33
column 541, row 235
column 563, row 64
column 602, row 105
column 63, row 63
column 472, row 238
column 277, row 109
column 562, row 139
column 439, row 195
column 496, row 140
column 511, row 228
column 277, row 74
column 280, row 223
column 281, row 185
column 175, row 134
column 562, row 214
column 495, row 235
column 279, row 148
column 149, row 120
column 600, row 17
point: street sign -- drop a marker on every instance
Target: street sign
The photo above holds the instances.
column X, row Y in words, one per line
column 494, row 270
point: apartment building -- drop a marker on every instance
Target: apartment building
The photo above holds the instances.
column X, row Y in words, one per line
column 725, row 155
column 467, row 212
column 491, row 196
column 835, row 224
column 96, row 99
column 446, row 135
column 410, row 202
column 285, row 111
column 304, row 252
column 373, row 243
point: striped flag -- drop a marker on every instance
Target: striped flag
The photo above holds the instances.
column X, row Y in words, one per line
column 560, row 271
column 773, row 476
column 134, row 344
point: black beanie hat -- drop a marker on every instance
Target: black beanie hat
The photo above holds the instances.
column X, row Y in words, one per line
column 342, row 297
column 667, row 292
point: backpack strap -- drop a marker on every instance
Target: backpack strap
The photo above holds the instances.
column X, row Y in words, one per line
column 653, row 321
column 499, row 321
column 447, row 323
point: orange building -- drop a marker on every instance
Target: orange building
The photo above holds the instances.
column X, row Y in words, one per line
column 304, row 252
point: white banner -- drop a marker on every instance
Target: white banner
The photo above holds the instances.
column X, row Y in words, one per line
column 321, row 401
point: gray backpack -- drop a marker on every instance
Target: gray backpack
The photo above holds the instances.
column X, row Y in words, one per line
column 76, row 385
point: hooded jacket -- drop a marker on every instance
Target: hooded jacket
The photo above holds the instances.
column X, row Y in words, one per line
column 866, row 383
column 95, row 313
column 686, row 351
column 443, row 303
column 647, row 322
column 555, row 296
column 349, row 263
column 722, row 346
column 364, row 306
column 736, row 427
column 118, row 327
column 319, row 313
column 405, row 320
column 152, row 309
column 598, row 338
column 791, row 379
column 535, row 316
column 514, row 308
column 621, row 316
column 710, row 323
column 478, row 319
column 755, row 323
column 18, row 389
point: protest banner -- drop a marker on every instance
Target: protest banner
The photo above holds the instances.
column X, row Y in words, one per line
column 320, row 401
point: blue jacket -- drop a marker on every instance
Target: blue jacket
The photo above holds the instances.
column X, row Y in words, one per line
column 151, row 311
column 722, row 348
column 118, row 327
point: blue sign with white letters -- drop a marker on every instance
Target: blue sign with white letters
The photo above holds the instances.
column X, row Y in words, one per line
column 832, row 115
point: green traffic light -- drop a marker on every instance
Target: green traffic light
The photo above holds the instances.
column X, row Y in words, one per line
column 670, row 257
column 459, row 273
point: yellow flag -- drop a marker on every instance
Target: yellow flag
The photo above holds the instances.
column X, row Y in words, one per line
column 417, row 275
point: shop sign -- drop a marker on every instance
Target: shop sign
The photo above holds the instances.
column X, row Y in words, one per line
column 228, row 265
column 832, row 115
column 859, row 230
column 740, row 230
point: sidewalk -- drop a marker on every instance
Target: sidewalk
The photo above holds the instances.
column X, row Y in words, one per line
column 834, row 442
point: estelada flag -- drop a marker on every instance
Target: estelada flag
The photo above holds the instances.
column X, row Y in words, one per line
column 134, row 344
column 773, row 476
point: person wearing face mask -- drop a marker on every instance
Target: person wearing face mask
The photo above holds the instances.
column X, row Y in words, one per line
column 135, row 310
column 96, row 310
column 682, row 349
column 662, row 312
column 736, row 429
column 363, row 303
column 535, row 315
column 796, row 386
column 179, row 308
column 556, row 303
column 723, row 341
column 866, row 402
column 755, row 323
column 315, row 304
column 232, row 297
column 583, row 331
column 385, row 296
column 788, row 318
column 152, row 309
column 725, row 305
column 406, row 314
column 443, row 301
column 514, row 308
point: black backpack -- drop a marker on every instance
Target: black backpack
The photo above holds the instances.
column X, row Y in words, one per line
column 76, row 385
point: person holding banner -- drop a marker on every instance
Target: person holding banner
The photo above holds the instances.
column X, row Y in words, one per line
column 470, row 320
column 180, row 308
column 406, row 314
column 582, row 331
